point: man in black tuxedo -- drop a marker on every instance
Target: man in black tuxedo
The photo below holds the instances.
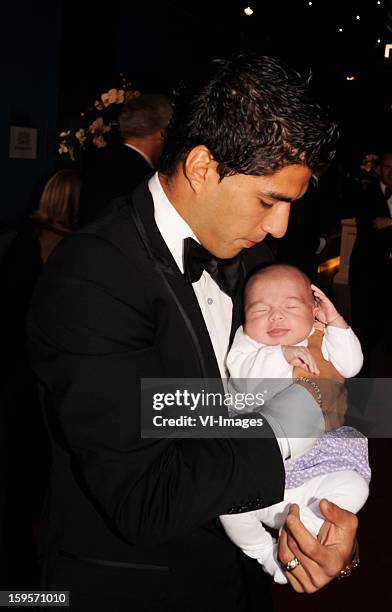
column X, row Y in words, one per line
column 131, row 523
column 116, row 170
column 371, row 258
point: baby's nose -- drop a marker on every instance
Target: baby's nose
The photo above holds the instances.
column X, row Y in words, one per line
column 276, row 313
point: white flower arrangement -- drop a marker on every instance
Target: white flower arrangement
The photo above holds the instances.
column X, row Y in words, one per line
column 99, row 123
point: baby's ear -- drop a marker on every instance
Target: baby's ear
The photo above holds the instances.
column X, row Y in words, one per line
column 319, row 319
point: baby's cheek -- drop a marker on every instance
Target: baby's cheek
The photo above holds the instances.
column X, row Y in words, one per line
column 301, row 328
column 255, row 329
column 248, row 327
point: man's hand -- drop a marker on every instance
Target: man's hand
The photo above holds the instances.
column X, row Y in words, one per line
column 333, row 398
column 301, row 357
column 380, row 223
column 334, row 403
column 320, row 559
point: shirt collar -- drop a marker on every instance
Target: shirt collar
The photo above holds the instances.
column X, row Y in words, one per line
column 148, row 160
column 173, row 228
column 383, row 187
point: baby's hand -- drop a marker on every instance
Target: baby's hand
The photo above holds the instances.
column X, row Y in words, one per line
column 301, row 357
column 326, row 311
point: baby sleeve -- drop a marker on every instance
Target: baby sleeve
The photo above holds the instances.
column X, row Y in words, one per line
column 342, row 348
column 249, row 534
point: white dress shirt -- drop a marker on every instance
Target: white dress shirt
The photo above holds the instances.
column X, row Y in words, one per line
column 215, row 305
column 148, row 160
column 389, row 201
column 217, row 310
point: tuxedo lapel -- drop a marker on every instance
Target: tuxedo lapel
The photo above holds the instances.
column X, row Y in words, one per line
column 237, row 305
column 381, row 208
column 141, row 210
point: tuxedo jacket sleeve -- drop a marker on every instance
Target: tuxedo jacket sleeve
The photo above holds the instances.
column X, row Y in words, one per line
column 102, row 319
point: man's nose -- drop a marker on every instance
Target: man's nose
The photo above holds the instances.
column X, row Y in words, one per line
column 276, row 222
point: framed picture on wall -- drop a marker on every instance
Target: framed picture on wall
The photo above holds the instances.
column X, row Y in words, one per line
column 23, row 142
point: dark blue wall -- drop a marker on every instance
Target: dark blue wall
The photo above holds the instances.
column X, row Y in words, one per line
column 30, row 45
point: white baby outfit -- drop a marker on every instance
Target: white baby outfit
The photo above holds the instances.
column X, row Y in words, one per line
column 336, row 468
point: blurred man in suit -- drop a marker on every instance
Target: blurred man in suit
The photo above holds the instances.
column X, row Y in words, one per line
column 371, row 258
column 115, row 171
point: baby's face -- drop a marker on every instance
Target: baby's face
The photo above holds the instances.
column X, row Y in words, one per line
column 279, row 308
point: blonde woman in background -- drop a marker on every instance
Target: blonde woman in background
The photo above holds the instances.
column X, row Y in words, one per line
column 25, row 450
column 58, row 211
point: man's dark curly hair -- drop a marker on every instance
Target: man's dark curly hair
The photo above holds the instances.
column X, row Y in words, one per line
column 255, row 116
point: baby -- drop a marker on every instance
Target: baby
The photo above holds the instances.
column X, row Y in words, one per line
column 283, row 312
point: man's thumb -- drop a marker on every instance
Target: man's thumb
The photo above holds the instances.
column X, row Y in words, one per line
column 328, row 509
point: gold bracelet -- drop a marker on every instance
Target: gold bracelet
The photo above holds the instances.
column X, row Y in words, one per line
column 346, row 571
column 315, row 386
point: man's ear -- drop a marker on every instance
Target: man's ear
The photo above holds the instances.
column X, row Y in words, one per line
column 196, row 166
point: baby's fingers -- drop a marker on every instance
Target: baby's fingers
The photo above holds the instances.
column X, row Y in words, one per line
column 316, row 289
column 312, row 365
column 318, row 292
column 309, row 360
column 297, row 362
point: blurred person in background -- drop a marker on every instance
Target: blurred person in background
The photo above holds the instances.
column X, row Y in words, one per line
column 116, row 170
column 371, row 258
column 58, row 211
column 24, row 448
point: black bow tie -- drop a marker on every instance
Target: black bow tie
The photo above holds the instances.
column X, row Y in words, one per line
column 225, row 272
column 387, row 193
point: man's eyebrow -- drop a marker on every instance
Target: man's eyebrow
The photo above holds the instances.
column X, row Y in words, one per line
column 278, row 196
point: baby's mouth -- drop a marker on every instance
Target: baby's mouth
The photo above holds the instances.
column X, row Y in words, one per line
column 275, row 332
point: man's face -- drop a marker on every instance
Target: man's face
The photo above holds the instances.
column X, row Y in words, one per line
column 386, row 170
column 239, row 211
column 279, row 308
